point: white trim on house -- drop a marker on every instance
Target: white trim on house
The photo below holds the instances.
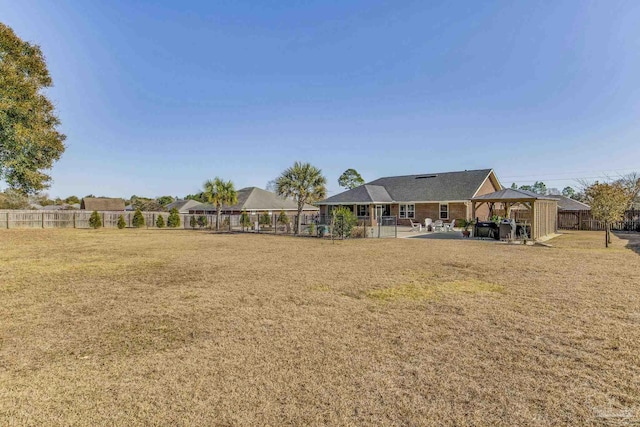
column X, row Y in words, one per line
column 491, row 172
column 407, row 211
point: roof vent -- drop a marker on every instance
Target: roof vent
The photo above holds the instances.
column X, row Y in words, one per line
column 426, row 176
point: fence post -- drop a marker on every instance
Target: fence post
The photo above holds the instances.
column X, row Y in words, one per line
column 396, row 227
column 7, row 220
column 42, row 216
column 74, row 220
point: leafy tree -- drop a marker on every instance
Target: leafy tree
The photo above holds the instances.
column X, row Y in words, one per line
column 538, row 187
column 350, row 179
column 138, row 219
column 202, row 221
column 304, row 183
column 193, row 222
column 13, row 199
column 94, row 220
column 265, row 219
column 245, row 221
column 146, row 204
column 514, row 186
column 283, row 218
column 41, row 198
column 160, row 222
column 121, row 223
column 220, row 193
column 72, row 200
column 165, row 200
column 173, row 220
column 343, row 221
column 29, row 140
column 631, row 183
column 568, row 192
column 608, row 203
column 200, row 197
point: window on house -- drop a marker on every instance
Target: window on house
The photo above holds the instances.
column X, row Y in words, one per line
column 444, row 211
column 407, row 211
column 362, row 210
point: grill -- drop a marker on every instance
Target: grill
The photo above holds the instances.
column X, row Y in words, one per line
column 507, row 229
column 486, row 229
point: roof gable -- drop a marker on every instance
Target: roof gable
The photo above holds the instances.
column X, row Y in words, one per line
column 569, row 204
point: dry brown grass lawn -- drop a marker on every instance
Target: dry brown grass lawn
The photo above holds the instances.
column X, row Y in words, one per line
column 189, row 328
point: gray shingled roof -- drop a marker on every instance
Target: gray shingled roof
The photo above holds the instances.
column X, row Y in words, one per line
column 428, row 187
column 364, row 194
column 102, row 204
column 182, row 205
column 512, row 194
column 568, row 204
column 256, row 199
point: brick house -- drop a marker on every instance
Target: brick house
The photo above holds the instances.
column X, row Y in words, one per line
column 444, row 196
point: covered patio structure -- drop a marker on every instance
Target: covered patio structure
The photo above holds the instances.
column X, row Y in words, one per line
column 540, row 212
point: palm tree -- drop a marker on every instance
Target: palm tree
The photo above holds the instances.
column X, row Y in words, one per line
column 220, row 193
column 304, row 183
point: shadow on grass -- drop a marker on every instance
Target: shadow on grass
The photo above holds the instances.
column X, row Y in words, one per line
column 633, row 239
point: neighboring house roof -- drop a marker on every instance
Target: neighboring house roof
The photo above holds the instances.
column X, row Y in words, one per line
column 366, row 194
column 569, row 204
column 428, row 187
column 256, row 199
column 102, row 204
column 511, row 195
column 183, row 206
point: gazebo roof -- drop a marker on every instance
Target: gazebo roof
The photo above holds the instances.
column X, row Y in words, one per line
column 511, row 195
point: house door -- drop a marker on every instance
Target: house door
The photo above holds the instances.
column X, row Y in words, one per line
column 382, row 210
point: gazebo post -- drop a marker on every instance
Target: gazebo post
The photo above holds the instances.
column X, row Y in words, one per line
column 534, row 228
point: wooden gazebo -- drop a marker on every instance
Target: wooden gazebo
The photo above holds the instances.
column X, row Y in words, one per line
column 542, row 211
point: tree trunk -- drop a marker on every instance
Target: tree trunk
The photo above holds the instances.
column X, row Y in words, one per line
column 218, row 219
column 606, row 234
column 298, row 219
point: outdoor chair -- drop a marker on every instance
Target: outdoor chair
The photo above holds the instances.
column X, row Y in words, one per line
column 438, row 225
column 415, row 226
column 428, row 222
column 449, row 226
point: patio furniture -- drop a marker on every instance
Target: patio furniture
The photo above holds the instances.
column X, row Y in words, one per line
column 415, row 226
column 449, row 226
column 428, row 222
column 438, row 225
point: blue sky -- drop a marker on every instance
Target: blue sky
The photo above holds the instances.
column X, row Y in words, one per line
column 156, row 97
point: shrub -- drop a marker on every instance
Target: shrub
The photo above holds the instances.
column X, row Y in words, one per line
column 283, row 218
column 265, row 219
column 121, row 223
column 312, row 229
column 193, row 222
column 343, row 222
column 357, row 232
column 173, row 220
column 202, row 221
column 94, row 220
column 160, row 222
column 138, row 219
column 245, row 221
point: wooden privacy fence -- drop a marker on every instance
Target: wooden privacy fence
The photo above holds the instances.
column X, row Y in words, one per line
column 582, row 220
column 80, row 219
